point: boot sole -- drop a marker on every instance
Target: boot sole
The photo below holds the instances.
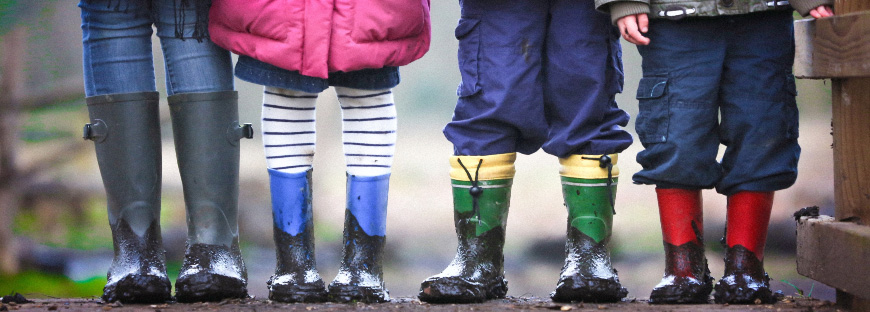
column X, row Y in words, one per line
column 457, row 290
column 138, row 289
column 589, row 290
column 201, row 287
column 732, row 294
column 698, row 294
column 351, row 293
column 297, row 293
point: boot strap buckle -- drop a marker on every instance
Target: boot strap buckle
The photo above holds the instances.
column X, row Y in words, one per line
column 237, row 132
column 95, row 131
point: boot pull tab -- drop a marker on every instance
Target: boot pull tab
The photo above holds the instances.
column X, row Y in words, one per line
column 475, row 189
column 605, row 162
column 237, row 132
column 95, row 131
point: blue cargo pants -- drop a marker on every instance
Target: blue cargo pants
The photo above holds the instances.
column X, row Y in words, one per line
column 537, row 73
column 717, row 80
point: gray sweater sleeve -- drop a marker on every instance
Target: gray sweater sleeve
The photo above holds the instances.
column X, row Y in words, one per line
column 625, row 8
column 804, row 6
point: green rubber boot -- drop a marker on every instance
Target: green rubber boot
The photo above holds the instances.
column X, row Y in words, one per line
column 207, row 134
column 589, row 188
column 481, row 197
column 125, row 129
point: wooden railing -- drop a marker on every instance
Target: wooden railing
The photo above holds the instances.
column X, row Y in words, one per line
column 836, row 251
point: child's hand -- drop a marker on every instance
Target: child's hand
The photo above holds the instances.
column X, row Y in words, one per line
column 822, row 11
column 631, row 27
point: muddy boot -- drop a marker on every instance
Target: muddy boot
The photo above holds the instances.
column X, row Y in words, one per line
column 481, row 197
column 687, row 277
column 360, row 277
column 745, row 281
column 296, row 278
column 125, row 129
column 589, row 188
column 207, row 134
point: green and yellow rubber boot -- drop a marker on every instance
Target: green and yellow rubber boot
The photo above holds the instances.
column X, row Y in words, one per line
column 589, row 188
column 481, row 197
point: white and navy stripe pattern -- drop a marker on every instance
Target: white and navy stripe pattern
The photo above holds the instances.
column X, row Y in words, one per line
column 368, row 130
column 288, row 129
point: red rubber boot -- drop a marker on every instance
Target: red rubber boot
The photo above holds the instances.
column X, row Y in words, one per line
column 687, row 278
column 745, row 280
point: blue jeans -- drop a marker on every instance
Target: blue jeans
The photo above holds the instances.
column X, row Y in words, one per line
column 117, row 49
column 537, row 74
column 698, row 69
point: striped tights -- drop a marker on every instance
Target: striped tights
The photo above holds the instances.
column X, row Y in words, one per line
column 368, row 129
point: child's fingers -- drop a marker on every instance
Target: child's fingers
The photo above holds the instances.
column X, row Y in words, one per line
column 643, row 22
column 827, row 11
column 815, row 13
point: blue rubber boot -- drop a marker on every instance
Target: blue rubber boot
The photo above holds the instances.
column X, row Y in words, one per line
column 361, row 278
column 296, row 278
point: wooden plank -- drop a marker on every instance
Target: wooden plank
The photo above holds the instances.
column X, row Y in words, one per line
column 834, row 47
column 835, row 253
column 851, row 122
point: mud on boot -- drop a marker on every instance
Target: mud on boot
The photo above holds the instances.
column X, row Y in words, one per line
column 744, row 281
column 211, row 273
column 361, row 277
column 587, row 275
column 476, row 273
column 589, row 189
column 296, row 278
column 138, row 271
column 687, row 278
column 481, row 198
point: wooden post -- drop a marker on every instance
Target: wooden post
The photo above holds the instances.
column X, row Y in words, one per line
column 834, row 250
column 11, row 84
column 851, row 122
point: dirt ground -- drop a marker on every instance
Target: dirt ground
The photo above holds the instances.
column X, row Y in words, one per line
column 412, row 304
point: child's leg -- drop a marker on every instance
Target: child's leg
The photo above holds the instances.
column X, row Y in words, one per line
column 582, row 74
column 289, row 129
column 123, row 107
column 369, row 138
column 760, row 128
column 289, row 140
column 500, row 111
column 678, row 126
column 368, row 130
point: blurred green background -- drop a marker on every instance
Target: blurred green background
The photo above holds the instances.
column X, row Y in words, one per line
column 60, row 244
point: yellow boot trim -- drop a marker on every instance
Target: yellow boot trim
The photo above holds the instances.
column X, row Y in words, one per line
column 493, row 167
column 575, row 166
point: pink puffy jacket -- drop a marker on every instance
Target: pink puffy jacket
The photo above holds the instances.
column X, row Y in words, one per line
column 316, row 37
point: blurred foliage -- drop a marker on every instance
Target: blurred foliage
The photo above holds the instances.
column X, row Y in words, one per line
column 33, row 284
column 52, row 123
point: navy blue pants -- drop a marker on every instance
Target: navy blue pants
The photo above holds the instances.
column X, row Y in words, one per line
column 736, row 67
column 537, row 73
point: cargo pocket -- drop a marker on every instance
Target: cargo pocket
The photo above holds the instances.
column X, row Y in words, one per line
column 652, row 119
column 468, row 34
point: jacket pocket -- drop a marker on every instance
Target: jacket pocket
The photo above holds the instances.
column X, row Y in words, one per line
column 652, row 119
column 468, row 34
column 386, row 20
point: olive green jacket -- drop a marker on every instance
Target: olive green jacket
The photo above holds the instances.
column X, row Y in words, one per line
column 676, row 9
